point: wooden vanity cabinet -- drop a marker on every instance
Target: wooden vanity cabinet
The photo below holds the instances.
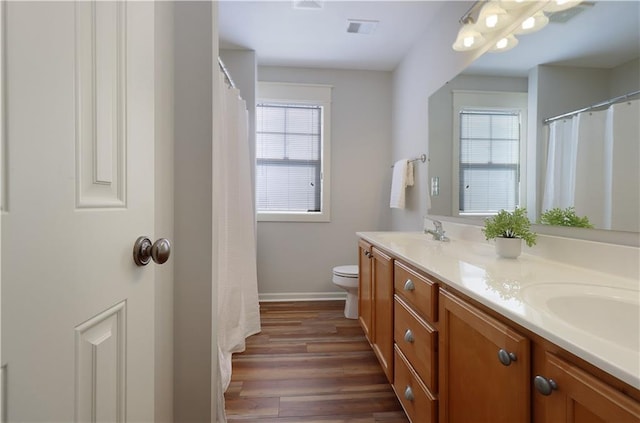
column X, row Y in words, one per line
column 461, row 362
column 375, row 302
column 365, row 288
column 383, row 310
column 484, row 366
column 567, row 394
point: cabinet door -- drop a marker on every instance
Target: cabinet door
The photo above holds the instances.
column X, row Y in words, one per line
column 365, row 289
column 383, row 310
column 475, row 386
column 579, row 397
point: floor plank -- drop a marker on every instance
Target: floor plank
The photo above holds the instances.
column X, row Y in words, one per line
column 309, row 364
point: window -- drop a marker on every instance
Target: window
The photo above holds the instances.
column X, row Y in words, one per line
column 489, row 171
column 292, row 152
column 489, row 152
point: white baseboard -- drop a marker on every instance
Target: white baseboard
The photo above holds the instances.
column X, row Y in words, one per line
column 302, row 296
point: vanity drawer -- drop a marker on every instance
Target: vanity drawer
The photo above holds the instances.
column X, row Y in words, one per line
column 419, row 291
column 417, row 341
column 417, row 401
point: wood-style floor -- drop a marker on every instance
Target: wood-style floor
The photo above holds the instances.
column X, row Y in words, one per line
column 309, row 364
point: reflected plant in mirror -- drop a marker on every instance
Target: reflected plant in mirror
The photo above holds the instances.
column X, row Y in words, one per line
column 565, row 217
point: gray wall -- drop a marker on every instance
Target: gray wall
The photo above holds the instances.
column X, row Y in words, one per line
column 296, row 258
column 427, row 66
column 195, row 300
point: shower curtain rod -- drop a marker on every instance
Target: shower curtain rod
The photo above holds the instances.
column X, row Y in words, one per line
column 593, row 106
column 224, row 70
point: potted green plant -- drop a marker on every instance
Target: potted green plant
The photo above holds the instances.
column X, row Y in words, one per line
column 509, row 229
column 565, row 217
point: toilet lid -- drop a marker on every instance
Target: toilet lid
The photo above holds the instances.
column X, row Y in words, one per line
column 348, row 271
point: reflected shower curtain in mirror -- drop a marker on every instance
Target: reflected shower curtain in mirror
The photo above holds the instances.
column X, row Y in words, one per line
column 592, row 165
column 234, row 226
column 561, row 165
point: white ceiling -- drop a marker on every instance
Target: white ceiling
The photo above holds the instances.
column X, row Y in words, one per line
column 284, row 36
column 603, row 35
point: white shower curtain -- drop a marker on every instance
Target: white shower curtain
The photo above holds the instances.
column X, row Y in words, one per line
column 560, row 177
column 234, row 236
column 622, row 208
column 592, row 165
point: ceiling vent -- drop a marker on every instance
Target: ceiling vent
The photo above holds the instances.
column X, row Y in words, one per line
column 565, row 15
column 359, row 26
column 308, row 4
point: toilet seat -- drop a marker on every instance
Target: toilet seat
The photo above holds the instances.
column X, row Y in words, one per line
column 348, row 271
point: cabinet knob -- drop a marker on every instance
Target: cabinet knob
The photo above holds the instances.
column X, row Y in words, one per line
column 545, row 386
column 408, row 394
column 368, row 254
column 506, row 357
column 409, row 286
column 408, row 336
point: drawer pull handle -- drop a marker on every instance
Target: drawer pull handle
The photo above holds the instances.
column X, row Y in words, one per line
column 408, row 336
column 545, row 386
column 409, row 286
column 408, row 394
column 506, row 357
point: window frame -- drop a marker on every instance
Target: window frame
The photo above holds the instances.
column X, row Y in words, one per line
column 491, row 102
column 303, row 94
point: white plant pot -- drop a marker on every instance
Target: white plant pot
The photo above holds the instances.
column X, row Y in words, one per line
column 508, row 247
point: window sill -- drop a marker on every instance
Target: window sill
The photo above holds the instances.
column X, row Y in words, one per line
column 293, row 217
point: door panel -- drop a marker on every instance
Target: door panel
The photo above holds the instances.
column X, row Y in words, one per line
column 77, row 313
column 581, row 398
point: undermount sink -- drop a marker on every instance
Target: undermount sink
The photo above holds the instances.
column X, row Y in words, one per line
column 609, row 313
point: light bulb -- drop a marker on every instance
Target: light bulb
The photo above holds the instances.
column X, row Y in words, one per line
column 492, row 17
column 560, row 5
column 505, row 44
column 468, row 38
column 491, row 21
column 528, row 23
column 534, row 23
column 468, row 41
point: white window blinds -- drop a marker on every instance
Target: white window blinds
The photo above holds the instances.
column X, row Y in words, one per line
column 288, row 157
column 489, row 171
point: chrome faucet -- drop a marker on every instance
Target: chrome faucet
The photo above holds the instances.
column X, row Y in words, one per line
column 438, row 232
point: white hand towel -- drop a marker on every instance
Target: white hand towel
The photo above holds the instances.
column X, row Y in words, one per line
column 398, row 184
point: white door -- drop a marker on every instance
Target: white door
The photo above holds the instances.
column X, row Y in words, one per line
column 77, row 313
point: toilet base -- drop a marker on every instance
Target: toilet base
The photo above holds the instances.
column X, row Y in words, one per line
column 351, row 305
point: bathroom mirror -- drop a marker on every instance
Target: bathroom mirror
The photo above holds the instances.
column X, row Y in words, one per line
column 584, row 56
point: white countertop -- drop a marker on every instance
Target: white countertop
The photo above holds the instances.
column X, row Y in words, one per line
column 593, row 315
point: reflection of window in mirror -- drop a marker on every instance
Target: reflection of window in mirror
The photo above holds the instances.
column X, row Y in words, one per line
column 489, row 166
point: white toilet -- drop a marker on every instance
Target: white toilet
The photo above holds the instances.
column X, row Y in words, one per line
column 346, row 277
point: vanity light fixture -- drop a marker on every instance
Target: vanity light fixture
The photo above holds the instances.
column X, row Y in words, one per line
column 499, row 20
